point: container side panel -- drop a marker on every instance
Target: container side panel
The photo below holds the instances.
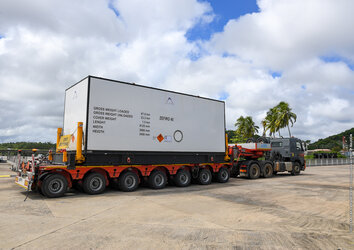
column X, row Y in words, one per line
column 126, row 117
column 75, row 109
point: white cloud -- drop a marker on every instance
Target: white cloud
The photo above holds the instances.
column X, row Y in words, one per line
column 285, row 33
column 49, row 45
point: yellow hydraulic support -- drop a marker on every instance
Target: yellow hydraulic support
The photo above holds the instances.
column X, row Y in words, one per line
column 227, row 157
column 79, row 157
column 65, row 156
column 50, row 156
column 58, row 138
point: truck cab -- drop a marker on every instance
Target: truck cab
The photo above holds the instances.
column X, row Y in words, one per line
column 267, row 156
column 287, row 150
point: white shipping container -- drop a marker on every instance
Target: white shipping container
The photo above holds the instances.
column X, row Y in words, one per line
column 121, row 116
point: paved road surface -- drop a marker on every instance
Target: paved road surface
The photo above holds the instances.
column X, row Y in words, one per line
column 309, row 211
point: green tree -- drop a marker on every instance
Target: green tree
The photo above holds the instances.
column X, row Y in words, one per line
column 285, row 116
column 269, row 122
column 245, row 127
column 277, row 118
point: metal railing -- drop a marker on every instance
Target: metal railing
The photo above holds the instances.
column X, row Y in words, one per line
column 327, row 162
column 14, row 160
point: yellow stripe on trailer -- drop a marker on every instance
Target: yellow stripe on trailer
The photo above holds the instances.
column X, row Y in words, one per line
column 5, row 176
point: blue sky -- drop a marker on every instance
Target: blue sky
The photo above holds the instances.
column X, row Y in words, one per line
column 337, row 58
column 224, row 10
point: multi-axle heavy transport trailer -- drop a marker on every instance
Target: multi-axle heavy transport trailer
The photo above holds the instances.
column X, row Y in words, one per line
column 123, row 134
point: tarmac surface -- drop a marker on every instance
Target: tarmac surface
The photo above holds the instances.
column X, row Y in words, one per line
column 309, row 211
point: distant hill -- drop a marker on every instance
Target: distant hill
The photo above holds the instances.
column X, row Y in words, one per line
column 27, row 145
column 333, row 142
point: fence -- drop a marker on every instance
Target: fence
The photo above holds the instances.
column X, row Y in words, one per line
column 14, row 160
column 327, row 162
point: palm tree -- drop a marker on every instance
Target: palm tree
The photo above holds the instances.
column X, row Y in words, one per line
column 245, row 127
column 279, row 117
column 264, row 125
column 285, row 116
column 269, row 122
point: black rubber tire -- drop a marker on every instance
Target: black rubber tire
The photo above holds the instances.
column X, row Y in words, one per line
column 250, row 140
column 204, row 177
column 267, row 170
column 254, row 171
column 128, row 181
column 183, row 178
column 235, row 170
column 223, row 175
column 39, row 189
column 262, row 140
column 54, row 185
column 296, row 169
column 94, row 183
column 157, row 179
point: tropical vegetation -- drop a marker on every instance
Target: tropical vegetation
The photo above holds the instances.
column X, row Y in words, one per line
column 333, row 142
column 277, row 118
column 27, row 145
column 245, row 128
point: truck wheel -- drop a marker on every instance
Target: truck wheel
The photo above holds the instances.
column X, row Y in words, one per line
column 250, row 140
column 183, row 178
column 254, row 172
column 204, row 177
column 128, row 181
column 40, row 191
column 223, row 175
column 94, row 183
column 157, row 179
column 268, row 170
column 296, row 169
column 54, row 185
column 262, row 140
column 235, row 170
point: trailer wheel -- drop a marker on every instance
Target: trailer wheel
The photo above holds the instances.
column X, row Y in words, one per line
column 268, row 170
column 183, row 178
column 223, row 175
column 40, row 191
column 262, row 140
column 254, row 171
column 204, row 177
column 94, row 183
column 296, row 169
column 128, row 181
column 157, row 179
column 54, row 185
column 250, row 140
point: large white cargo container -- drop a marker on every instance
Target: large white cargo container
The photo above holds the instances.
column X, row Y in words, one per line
column 119, row 116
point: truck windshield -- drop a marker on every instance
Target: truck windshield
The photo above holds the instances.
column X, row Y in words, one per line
column 299, row 146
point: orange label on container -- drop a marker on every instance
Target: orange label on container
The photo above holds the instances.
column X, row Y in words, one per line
column 160, row 137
